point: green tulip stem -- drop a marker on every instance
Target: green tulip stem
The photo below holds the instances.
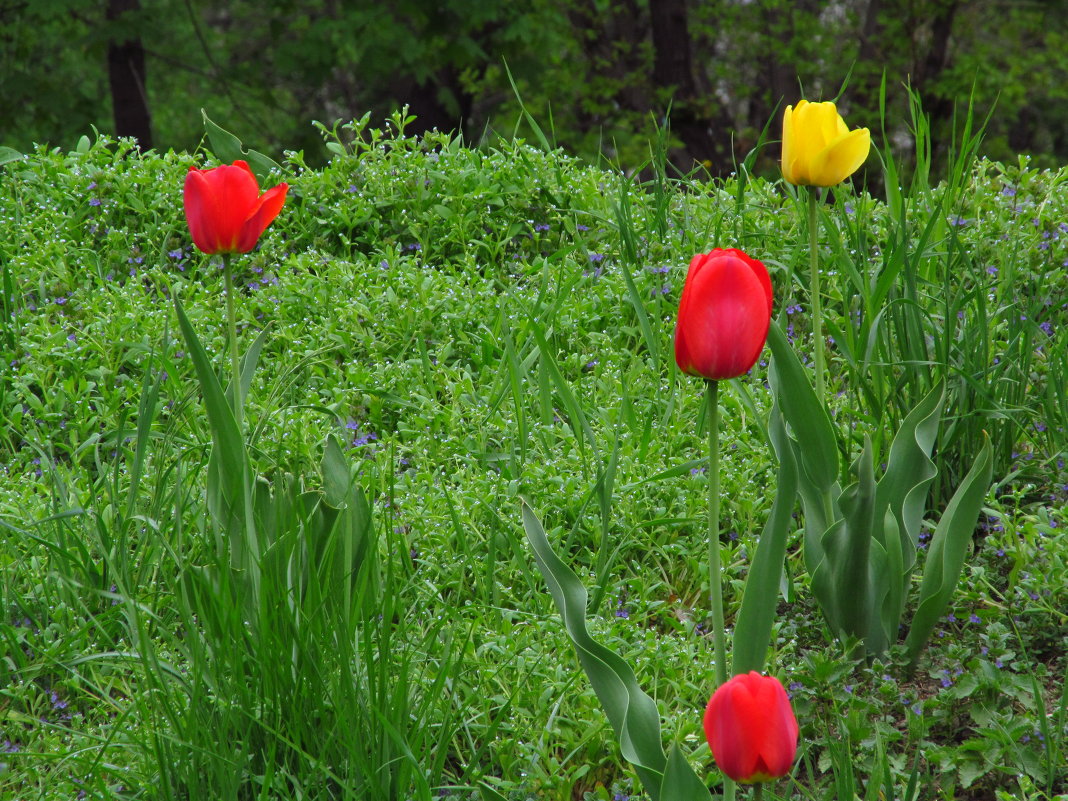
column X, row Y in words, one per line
column 231, row 320
column 814, row 293
column 715, row 578
column 715, row 585
column 758, row 791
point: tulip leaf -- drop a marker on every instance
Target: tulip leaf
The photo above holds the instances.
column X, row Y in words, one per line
column 229, row 472
column 680, row 782
column 805, row 414
column 948, row 549
column 752, row 632
column 229, row 149
column 909, row 469
column 631, row 712
column 840, row 578
column 889, row 605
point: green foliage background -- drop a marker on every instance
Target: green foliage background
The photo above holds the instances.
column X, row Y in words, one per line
column 267, row 68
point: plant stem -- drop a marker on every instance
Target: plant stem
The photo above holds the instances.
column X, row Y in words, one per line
column 715, row 579
column 235, row 361
column 814, row 293
column 758, row 791
column 715, row 586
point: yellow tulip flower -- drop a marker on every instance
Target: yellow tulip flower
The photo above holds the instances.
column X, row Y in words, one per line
column 817, row 147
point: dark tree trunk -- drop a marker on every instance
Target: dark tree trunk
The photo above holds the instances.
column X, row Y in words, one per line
column 126, row 76
column 673, row 68
column 939, row 107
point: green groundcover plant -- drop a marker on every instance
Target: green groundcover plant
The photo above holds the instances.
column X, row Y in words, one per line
column 430, row 333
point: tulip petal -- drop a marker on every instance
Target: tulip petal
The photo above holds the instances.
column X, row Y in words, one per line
column 224, row 208
column 200, row 211
column 789, row 148
column 818, row 147
column 266, row 209
column 724, row 314
column 841, row 158
column 751, row 728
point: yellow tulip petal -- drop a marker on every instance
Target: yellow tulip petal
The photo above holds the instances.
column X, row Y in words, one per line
column 841, row 158
column 788, row 146
column 828, row 122
column 807, row 142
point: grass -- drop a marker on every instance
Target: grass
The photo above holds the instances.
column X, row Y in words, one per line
column 475, row 327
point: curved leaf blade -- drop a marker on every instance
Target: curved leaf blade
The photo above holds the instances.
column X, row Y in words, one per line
column 949, row 547
column 752, row 632
column 632, row 713
column 803, row 411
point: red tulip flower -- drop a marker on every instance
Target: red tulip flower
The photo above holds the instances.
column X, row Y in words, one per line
column 751, row 728
column 225, row 210
column 724, row 315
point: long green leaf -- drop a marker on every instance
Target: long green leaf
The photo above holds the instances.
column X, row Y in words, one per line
column 949, row 546
column 229, row 472
column 632, row 713
column 909, row 469
column 679, row 779
column 901, row 498
column 805, row 414
column 752, row 632
column 841, row 581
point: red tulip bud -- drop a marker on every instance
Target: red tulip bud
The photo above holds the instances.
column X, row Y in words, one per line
column 225, row 210
column 724, row 314
column 751, row 728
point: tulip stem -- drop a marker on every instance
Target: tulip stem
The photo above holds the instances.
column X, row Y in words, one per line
column 715, row 585
column 235, row 361
column 758, row 791
column 814, row 293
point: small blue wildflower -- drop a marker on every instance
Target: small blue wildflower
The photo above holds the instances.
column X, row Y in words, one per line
column 541, row 227
column 974, row 618
column 595, row 257
column 1008, row 191
column 94, row 201
column 992, row 270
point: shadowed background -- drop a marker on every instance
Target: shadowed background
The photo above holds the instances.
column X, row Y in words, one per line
column 600, row 75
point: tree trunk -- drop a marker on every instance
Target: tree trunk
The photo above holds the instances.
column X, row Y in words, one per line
column 673, row 68
column 126, row 77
